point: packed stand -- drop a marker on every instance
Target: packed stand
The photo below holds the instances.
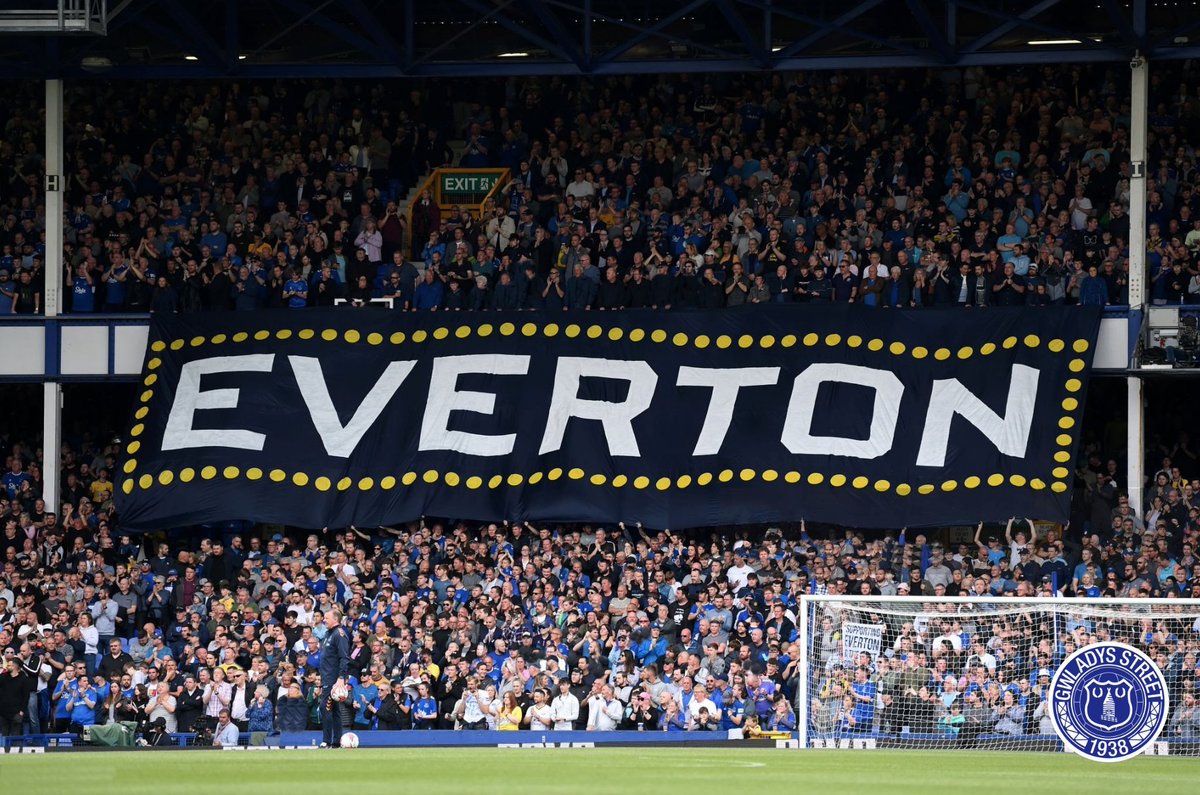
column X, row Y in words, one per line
column 454, row 625
column 925, row 189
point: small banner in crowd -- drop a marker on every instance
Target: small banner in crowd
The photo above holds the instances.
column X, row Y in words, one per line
column 836, row 414
column 860, row 638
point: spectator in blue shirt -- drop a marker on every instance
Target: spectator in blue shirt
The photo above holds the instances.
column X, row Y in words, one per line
column 295, row 291
column 364, row 694
column 260, row 713
column 63, row 696
column 424, row 708
column 7, row 292
column 864, row 699
column 429, row 293
column 83, row 290
column 81, row 702
column 782, row 718
column 652, row 647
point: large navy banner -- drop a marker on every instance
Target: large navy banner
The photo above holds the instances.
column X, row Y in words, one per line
column 837, row 414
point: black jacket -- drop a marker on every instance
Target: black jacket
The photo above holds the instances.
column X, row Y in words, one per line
column 14, row 694
column 392, row 714
column 110, row 665
column 188, row 707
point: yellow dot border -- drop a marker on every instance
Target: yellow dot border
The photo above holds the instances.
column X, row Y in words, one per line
column 677, row 482
column 598, row 332
column 1070, row 421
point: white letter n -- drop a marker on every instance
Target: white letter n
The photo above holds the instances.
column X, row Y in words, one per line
column 1009, row 433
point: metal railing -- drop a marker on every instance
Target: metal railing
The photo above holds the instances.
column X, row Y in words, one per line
column 64, row 16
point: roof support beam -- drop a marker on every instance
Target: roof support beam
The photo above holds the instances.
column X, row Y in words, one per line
column 738, row 25
column 937, row 39
column 1117, row 16
column 1011, row 23
column 446, row 42
column 314, row 13
column 374, row 28
column 568, row 47
column 650, row 32
column 201, row 44
column 825, row 27
column 665, row 35
column 519, row 30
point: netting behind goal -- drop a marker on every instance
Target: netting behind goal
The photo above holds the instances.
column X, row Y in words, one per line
column 957, row 673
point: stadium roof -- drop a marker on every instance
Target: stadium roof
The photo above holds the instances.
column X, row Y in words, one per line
column 179, row 39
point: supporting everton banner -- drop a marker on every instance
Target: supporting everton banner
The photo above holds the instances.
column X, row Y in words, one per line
column 769, row 413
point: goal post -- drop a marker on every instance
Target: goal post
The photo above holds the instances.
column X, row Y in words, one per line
column 963, row 672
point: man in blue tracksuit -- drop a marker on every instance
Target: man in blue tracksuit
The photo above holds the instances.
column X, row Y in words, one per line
column 335, row 654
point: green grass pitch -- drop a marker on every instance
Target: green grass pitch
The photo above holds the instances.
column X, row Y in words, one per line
column 627, row 771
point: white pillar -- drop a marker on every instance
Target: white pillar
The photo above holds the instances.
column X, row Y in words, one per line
column 1137, row 183
column 1135, row 452
column 51, row 443
column 52, row 299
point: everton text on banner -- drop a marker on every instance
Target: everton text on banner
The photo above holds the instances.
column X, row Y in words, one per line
column 858, row 638
column 838, row 414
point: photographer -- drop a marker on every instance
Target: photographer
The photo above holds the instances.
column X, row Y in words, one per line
column 156, row 734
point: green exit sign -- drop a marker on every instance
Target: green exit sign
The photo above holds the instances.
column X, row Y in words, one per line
column 458, row 184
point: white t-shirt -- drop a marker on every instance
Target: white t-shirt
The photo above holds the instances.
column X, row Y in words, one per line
column 1079, row 213
column 1014, row 554
column 580, row 188
column 737, row 576
column 472, row 711
column 695, row 705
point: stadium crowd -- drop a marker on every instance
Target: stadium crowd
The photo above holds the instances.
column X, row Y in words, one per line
column 963, row 188
column 930, row 189
column 455, row 625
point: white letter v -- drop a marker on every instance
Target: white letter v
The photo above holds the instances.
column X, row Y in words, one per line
column 341, row 440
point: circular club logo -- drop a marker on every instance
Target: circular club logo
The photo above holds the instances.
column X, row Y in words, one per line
column 1108, row 702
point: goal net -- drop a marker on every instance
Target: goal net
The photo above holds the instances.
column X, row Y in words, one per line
column 942, row 673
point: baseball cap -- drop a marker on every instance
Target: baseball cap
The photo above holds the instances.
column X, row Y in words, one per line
column 1043, row 672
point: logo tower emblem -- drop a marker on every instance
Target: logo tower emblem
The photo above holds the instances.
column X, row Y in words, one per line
column 1108, row 702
